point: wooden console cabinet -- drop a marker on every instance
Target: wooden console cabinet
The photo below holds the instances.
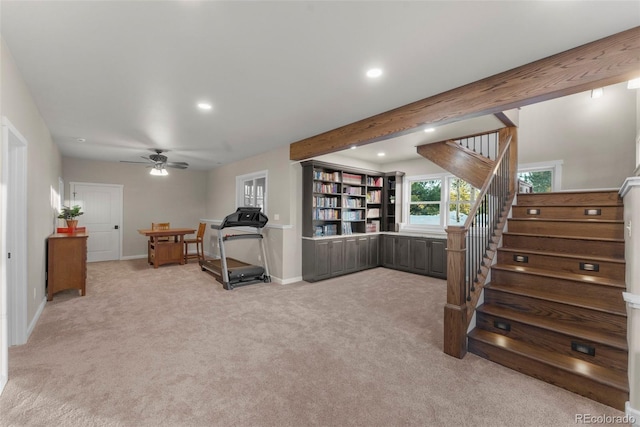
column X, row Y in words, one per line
column 66, row 263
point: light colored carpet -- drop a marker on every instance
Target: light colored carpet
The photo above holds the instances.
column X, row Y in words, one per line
column 170, row 347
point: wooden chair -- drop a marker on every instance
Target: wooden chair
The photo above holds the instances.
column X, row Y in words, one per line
column 151, row 243
column 199, row 242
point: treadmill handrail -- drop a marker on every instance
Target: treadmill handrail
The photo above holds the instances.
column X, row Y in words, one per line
column 243, row 236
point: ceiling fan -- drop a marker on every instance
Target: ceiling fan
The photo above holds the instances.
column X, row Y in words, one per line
column 160, row 163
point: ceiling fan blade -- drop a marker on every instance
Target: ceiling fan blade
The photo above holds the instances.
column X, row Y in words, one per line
column 128, row 161
column 177, row 165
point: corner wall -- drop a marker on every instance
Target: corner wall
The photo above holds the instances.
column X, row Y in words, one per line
column 283, row 199
column 44, row 164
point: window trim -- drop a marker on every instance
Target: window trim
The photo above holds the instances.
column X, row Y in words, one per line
column 406, row 197
column 241, row 179
column 555, row 166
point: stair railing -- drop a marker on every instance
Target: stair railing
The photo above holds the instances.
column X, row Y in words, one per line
column 471, row 247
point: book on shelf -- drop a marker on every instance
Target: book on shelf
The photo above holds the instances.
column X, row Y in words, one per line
column 374, row 181
column 353, row 191
column 330, row 230
column 350, row 178
column 373, row 227
column 319, row 187
column 325, row 202
column 346, row 228
column 348, row 202
column 326, row 176
column 373, row 213
column 324, row 214
column 374, row 196
column 352, row 215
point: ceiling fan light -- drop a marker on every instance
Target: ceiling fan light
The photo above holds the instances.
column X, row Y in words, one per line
column 158, row 171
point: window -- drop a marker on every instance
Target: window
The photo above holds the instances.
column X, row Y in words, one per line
column 462, row 196
column 425, row 201
column 544, row 177
column 438, row 201
column 251, row 190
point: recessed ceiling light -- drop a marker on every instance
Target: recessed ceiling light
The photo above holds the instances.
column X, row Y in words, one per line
column 430, row 129
column 204, row 106
column 353, row 147
column 81, row 140
column 374, row 72
column 381, row 154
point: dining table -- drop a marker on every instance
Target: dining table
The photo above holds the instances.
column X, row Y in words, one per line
column 166, row 246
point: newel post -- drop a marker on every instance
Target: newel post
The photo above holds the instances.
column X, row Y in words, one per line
column 455, row 311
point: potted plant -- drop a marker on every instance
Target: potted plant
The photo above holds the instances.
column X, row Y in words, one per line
column 70, row 215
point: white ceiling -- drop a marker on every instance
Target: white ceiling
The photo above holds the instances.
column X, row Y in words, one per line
column 126, row 75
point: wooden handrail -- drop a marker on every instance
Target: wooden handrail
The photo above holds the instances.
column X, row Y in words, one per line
column 469, row 254
column 487, row 182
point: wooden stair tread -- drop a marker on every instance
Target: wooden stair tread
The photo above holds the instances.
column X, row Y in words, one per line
column 594, row 280
column 577, row 367
column 574, row 300
column 599, row 239
column 553, row 325
column 571, row 220
column 562, row 255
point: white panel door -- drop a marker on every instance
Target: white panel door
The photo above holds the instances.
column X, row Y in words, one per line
column 102, row 207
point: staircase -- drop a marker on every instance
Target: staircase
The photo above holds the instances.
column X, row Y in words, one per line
column 554, row 308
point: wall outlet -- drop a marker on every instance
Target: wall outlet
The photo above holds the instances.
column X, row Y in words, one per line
column 276, row 217
column 259, row 257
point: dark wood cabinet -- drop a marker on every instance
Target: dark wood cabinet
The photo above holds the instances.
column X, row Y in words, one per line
column 351, row 258
column 329, row 257
column 438, row 259
column 374, row 251
column 419, row 255
column 66, row 263
column 419, row 250
column 389, row 251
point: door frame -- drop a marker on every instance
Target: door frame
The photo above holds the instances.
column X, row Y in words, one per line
column 14, row 236
column 120, row 187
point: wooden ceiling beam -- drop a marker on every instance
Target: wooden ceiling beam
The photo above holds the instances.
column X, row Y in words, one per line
column 603, row 62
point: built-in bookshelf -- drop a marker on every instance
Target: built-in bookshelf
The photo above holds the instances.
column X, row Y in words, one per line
column 392, row 196
column 338, row 200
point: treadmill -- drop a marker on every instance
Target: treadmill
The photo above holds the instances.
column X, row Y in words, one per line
column 232, row 272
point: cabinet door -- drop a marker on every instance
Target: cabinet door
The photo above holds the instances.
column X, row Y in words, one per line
column 336, row 257
column 419, row 255
column 363, row 252
column 403, row 260
column 350, row 254
column 374, row 251
column 389, row 251
column 322, row 260
column 438, row 259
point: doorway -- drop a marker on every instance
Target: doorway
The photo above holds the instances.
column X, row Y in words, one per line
column 102, row 217
column 13, row 256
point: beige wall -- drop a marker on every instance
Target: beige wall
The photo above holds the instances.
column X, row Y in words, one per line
column 179, row 198
column 593, row 137
column 43, row 170
column 281, row 234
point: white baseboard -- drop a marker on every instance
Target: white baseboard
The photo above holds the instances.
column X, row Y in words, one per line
column 632, row 414
column 35, row 319
column 126, row 258
column 286, row 281
column 3, row 382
